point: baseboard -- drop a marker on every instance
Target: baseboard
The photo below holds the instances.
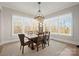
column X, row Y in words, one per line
column 6, row 42
column 66, row 41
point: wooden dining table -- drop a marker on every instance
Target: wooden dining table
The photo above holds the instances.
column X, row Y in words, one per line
column 31, row 35
column 32, row 38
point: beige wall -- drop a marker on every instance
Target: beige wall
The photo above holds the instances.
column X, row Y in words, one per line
column 0, row 25
column 6, row 24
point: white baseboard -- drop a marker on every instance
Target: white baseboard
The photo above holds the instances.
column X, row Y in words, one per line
column 67, row 41
column 6, row 42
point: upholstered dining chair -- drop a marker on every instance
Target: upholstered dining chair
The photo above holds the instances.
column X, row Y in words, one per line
column 40, row 41
column 23, row 43
column 47, row 37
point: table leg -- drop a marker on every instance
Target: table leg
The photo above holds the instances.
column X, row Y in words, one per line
column 32, row 46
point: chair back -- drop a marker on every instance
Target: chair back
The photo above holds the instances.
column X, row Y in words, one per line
column 21, row 37
column 40, row 36
column 47, row 35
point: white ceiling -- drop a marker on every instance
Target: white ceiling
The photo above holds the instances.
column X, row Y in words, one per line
column 32, row 7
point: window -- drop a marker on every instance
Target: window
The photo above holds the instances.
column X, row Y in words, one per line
column 59, row 25
column 56, row 25
column 22, row 24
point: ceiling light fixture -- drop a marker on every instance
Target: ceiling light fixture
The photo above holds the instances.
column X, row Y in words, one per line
column 39, row 15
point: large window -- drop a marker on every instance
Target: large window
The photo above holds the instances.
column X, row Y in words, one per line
column 59, row 25
column 22, row 24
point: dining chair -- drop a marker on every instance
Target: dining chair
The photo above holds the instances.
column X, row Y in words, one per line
column 23, row 43
column 40, row 41
column 47, row 37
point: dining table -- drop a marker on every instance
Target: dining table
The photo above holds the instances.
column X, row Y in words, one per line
column 31, row 35
column 32, row 38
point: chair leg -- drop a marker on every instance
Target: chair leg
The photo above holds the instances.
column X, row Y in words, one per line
column 48, row 43
column 20, row 47
column 32, row 46
column 37, row 48
column 29, row 45
column 23, row 50
column 42, row 46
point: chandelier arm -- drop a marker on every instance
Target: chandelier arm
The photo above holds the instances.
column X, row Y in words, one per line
column 39, row 8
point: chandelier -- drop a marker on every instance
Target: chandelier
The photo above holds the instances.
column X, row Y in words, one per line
column 39, row 15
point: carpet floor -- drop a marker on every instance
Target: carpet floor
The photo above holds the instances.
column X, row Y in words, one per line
column 54, row 49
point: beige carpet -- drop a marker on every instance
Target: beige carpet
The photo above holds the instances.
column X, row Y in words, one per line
column 13, row 49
